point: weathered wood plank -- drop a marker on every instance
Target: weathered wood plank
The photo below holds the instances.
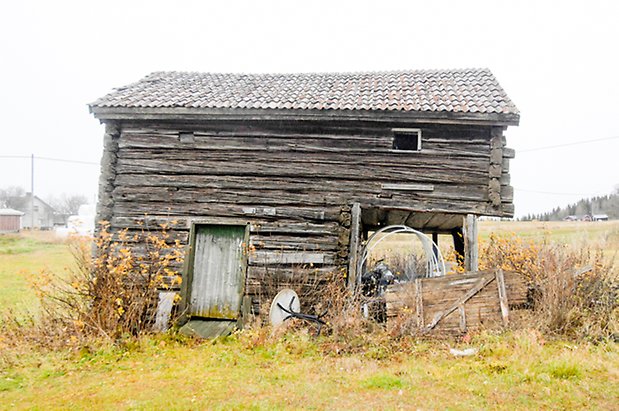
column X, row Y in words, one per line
column 471, row 247
column 285, row 257
column 353, row 252
column 339, row 167
column 407, row 187
column 419, row 302
column 500, row 280
column 441, row 292
column 482, row 282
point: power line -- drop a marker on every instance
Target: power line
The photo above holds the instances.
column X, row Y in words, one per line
column 67, row 161
column 574, row 143
column 61, row 160
column 557, row 194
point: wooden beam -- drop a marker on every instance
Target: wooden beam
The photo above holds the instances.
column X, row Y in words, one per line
column 397, row 217
column 471, row 251
column 353, row 251
column 407, row 187
column 462, row 312
column 188, row 113
column 500, row 281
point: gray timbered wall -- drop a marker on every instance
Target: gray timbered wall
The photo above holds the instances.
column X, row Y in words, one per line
column 295, row 182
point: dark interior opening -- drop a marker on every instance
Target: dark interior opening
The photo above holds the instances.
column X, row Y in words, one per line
column 409, row 140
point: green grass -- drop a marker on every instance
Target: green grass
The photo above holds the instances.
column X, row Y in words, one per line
column 22, row 257
column 514, row 371
column 511, row 371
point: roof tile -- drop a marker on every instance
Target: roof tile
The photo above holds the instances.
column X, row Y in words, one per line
column 465, row 90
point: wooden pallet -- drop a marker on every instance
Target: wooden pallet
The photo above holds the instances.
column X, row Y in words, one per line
column 458, row 303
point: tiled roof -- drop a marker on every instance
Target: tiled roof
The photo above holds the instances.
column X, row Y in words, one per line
column 455, row 91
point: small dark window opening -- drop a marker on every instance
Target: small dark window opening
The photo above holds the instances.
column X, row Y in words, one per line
column 407, row 139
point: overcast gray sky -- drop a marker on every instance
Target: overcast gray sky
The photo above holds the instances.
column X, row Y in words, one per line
column 558, row 61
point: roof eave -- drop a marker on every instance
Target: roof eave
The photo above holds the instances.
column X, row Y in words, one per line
column 185, row 113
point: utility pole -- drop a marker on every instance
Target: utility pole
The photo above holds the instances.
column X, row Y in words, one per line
column 32, row 192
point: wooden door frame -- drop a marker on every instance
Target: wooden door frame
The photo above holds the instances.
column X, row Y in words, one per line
column 188, row 264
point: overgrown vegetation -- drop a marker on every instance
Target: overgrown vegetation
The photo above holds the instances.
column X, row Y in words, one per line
column 94, row 331
column 519, row 370
column 574, row 291
column 110, row 296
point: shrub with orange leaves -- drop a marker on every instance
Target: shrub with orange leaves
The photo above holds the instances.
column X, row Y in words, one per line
column 574, row 289
column 114, row 292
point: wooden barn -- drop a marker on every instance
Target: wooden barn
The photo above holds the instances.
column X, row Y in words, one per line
column 284, row 175
column 10, row 220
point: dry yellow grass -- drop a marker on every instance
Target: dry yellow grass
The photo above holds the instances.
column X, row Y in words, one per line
column 600, row 234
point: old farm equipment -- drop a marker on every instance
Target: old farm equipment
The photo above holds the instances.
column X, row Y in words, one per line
column 374, row 282
column 434, row 301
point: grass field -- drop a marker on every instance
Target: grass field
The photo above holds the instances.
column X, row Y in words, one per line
column 518, row 371
column 515, row 370
column 602, row 234
column 22, row 257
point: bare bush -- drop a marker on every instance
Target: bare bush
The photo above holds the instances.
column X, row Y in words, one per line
column 110, row 295
column 574, row 291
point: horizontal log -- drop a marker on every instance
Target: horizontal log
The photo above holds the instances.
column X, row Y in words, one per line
column 280, row 257
column 507, row 193
column 263, row 198
column 509, row 153
column 300, row 273
column 407, row 187
column 298, row 243
column 346, row 167
column 293, row 183
column 256, row 226
column 291, row 128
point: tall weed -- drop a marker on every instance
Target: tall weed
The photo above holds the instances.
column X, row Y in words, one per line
column 574, row 291
column 110, row 295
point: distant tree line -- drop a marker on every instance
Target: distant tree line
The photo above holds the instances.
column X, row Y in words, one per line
column 608, row 204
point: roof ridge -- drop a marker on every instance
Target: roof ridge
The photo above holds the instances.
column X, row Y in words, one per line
column 317, row 73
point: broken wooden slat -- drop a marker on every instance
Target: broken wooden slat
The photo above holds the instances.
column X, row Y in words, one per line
column 462, row 313
column 430, row 296
column 484, row 281
column 419, row 302
column 500, row 280
column 407, row 187
column 277, row 257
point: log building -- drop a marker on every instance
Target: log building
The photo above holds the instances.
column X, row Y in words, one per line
column 280, row 175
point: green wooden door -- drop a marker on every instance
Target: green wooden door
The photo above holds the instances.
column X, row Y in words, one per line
column 218, row 276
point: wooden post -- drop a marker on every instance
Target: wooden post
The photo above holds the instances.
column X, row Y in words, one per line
column 500, row 282
column 462, row 318
column 435, row 245
column 353, row 252
column 471, row 251
column 419, row 302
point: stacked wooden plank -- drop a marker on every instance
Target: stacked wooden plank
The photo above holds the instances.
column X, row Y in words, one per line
column 458, row 303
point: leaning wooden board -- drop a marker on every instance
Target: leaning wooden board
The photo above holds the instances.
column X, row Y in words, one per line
column 458, row 303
